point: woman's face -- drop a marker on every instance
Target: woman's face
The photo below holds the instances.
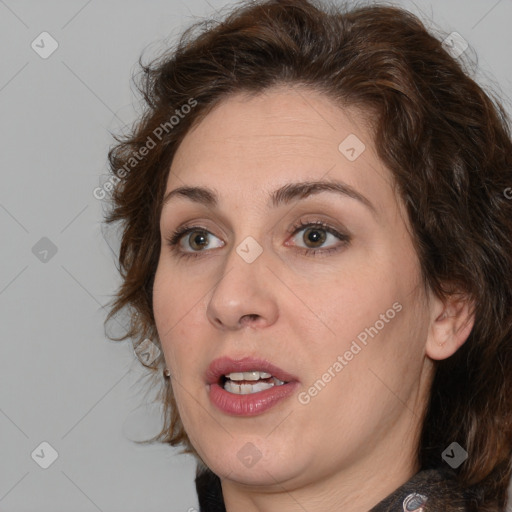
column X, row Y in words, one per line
column 348, row 322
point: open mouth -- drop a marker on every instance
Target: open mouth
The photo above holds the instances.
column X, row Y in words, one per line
column 246, row 383
column 247, row 386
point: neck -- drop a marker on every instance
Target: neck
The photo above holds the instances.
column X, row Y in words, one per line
column 357, row 488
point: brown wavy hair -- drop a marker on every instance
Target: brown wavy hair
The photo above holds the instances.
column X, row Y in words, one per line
column 446, row 142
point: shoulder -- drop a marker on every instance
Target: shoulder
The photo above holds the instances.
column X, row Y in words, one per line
column 209, row 491
column 430, row 490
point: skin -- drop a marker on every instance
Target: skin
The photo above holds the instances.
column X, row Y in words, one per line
column 354, row 442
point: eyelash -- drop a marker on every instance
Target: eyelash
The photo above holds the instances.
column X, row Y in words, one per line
column 175, row 238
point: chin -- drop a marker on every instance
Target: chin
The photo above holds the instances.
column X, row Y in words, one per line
column 253, row 461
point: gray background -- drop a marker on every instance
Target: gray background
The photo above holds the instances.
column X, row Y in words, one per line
column 61, row 380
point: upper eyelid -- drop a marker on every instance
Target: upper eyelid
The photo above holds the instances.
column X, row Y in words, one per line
column 304, row 218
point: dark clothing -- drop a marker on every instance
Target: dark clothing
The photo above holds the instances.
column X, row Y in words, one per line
column 433, row 490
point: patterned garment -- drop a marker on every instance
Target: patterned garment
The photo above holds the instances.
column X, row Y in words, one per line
column 433, row 490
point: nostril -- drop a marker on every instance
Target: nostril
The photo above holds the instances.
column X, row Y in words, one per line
column 249, row 318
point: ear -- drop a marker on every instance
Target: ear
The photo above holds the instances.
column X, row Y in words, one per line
column 451, row 323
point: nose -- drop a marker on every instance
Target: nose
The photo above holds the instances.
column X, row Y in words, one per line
column 245, row 295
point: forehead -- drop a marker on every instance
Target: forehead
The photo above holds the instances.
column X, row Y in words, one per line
column 280, row 123
column 250, row 145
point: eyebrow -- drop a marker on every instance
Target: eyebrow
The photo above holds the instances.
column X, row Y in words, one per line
column 283, row 195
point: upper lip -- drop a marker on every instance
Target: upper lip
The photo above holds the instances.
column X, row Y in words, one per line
column 226, row 365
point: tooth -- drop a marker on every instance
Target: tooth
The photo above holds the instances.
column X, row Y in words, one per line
column 251, row 376
column 246, row 389
column 231, row 387
column 235, row 376
column 261, row 386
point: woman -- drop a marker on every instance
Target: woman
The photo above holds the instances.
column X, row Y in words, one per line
column 316, row 234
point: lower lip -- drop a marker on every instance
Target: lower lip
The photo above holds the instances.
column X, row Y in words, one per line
column 251, row 404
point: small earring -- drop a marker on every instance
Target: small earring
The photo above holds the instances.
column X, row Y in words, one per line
column 167, row 373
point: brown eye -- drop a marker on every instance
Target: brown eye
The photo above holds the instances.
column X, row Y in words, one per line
column 316, row 236
column 198, row 240
column 191, row 240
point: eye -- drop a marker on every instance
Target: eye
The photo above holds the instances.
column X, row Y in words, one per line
column 195, row 237
column 316, row 234
column 198, row 239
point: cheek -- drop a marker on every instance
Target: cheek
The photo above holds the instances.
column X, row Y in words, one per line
column 168, row 310
column 179, row 317
column 173, row 297
column 163, row 301
column 376, row 365
column 372, row 307
column 356, row 297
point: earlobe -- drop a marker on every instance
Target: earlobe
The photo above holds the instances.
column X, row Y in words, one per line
column 452, row 322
